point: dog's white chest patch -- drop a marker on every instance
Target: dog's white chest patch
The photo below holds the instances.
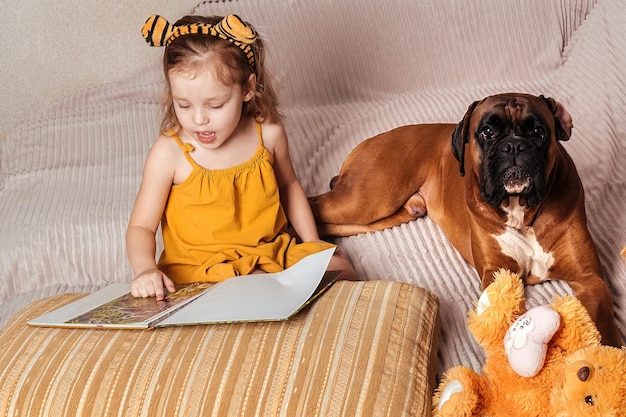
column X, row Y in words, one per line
column 520, row 243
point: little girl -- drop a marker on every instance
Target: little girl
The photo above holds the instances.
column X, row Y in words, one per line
column 219, row 179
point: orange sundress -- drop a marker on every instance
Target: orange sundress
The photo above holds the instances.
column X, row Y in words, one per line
column 222, row 223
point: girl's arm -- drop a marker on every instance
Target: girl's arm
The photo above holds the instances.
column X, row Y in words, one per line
column 292, row 195
column 294, row 199
column 144, row 221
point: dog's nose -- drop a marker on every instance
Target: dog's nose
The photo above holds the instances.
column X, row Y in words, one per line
column 514, row 146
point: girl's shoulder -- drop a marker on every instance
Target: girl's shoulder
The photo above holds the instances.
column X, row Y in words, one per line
column 163, row 148
column 166, row 159
column 166, row 143
column 274, row 135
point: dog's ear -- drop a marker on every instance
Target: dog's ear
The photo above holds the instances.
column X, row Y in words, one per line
column 562, row 119
column 460, row 136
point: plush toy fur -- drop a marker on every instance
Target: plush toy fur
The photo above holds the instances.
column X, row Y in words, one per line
column 568, row 372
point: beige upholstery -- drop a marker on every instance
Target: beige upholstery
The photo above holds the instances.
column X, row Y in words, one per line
column 362, row 349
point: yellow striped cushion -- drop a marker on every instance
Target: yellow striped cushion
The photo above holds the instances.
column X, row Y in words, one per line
column 362, row 349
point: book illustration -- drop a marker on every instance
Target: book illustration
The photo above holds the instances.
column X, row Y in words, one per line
column 128, row 309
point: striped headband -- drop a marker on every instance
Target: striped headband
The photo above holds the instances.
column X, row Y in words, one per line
column 157, row 31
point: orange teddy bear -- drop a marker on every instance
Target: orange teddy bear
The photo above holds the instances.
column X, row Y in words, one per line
column 546, row 361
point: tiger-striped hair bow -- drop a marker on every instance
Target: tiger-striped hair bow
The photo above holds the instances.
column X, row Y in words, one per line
column 157, row 31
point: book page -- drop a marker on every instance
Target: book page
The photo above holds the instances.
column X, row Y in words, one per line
column 257, row 297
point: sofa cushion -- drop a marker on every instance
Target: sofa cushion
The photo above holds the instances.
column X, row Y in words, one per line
column 362, row 349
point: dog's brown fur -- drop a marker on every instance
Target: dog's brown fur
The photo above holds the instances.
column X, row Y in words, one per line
column 416, row 170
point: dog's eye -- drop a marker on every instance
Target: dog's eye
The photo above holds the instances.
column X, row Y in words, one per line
column 539, row 132
column 487, row 133
column 589, row 399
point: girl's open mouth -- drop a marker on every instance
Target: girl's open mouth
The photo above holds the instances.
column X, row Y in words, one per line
column 205, row 137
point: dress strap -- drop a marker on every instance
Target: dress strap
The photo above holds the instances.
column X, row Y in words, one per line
column 186, row 147
column 260, row 133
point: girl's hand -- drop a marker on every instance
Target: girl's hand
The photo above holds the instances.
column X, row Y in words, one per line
column 151, row 283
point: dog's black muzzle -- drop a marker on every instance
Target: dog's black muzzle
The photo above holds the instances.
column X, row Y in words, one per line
column 513, row 167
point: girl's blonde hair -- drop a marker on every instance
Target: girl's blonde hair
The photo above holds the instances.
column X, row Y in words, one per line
column 195, row 51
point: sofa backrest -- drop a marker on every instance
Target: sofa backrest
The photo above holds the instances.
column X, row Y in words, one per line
column 317, row 48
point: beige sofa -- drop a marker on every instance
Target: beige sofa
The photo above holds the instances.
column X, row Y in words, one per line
column 347, row 71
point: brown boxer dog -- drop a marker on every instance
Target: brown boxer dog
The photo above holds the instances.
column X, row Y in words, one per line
column 499, row 184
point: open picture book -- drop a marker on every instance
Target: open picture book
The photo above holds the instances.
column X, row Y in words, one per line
column 255, row 297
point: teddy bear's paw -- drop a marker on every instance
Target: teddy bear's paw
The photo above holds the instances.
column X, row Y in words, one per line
column 526, row 341
column 499, row 305
column 448, row 402
column 483, row 302
column 507, row 286
column 461, row 395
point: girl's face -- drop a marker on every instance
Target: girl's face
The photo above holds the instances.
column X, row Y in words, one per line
column 207, row 110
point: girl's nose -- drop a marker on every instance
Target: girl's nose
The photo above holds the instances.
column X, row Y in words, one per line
column 201, row 117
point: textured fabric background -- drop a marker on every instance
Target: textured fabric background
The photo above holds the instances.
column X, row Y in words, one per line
column 52, row 48
column 346, row 71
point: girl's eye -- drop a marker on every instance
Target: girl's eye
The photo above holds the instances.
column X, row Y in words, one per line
column 217, row 107
column 183, row 106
